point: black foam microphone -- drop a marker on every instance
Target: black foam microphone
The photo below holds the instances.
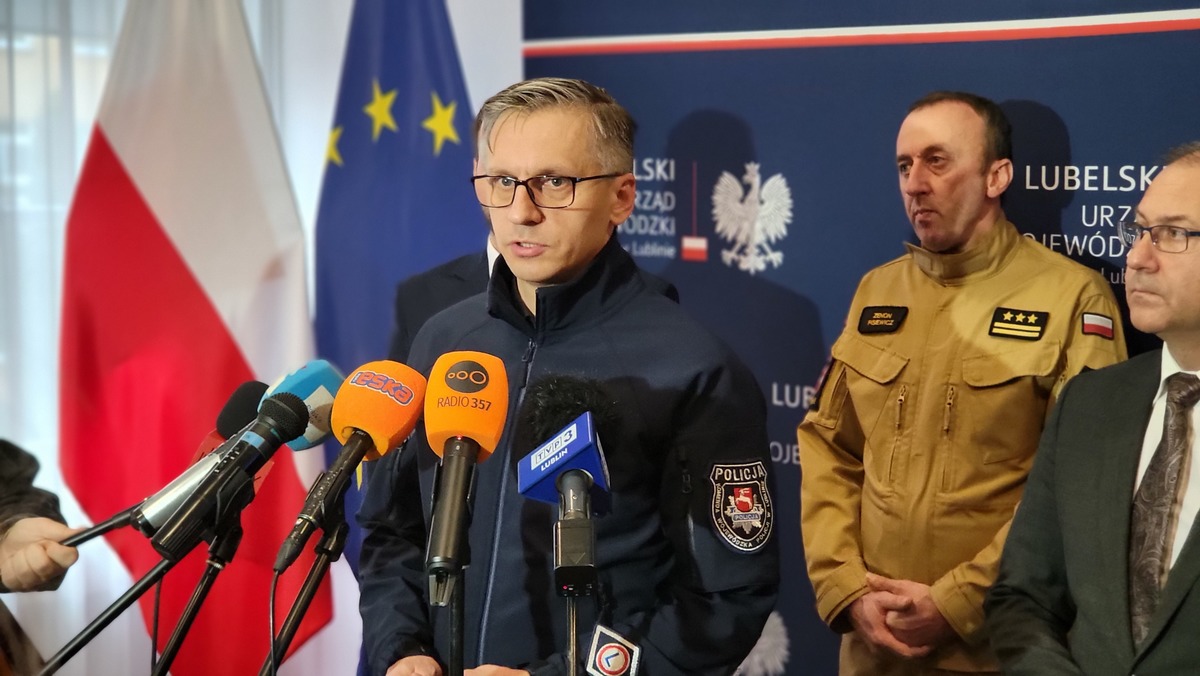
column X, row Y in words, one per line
column 149, row 514
column 229, row 486
column 568, row 470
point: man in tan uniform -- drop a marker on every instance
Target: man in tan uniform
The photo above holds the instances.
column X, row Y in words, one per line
column 916, row 451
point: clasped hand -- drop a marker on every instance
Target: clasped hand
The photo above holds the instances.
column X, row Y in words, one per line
column 899, row 616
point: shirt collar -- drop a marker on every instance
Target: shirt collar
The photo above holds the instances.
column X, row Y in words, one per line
column 1168, row 368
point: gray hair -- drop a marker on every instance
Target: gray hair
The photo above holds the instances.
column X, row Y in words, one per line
column 613, row 127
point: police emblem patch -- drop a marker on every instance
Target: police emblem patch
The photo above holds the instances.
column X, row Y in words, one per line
column 881, row 318
column 1021, row 324
column 741, row 505
column 612, row 654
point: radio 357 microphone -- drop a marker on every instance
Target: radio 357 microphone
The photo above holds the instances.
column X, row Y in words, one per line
column 374, row 411
column 568, row 470
column 149, row 514
column 465, row 410
column 225, row 490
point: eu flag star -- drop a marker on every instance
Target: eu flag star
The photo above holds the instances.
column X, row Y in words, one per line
column 331, row 149
column 380, row 110
column 441, row 124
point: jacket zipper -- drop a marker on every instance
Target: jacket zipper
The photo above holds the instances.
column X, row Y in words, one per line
column 948, row 415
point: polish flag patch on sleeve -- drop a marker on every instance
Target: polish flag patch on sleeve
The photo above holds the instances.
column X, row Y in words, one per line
column 1097, row 325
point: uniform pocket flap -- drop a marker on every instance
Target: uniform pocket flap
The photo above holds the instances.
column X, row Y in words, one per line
column 986, row 370
column 871, row 361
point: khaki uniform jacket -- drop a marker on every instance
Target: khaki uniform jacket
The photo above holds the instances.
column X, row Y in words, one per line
column 915, row 454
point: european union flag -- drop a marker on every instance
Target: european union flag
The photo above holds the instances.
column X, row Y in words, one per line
column 396, row 199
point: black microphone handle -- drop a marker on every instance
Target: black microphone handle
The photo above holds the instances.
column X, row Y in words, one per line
column 574, row 536
column 329, row 489
column 282, row 418
column 449, row 523
column 118, row 520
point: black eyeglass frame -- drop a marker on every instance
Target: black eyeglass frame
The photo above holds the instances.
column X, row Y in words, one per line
column 575, row 181
column 1131, row 231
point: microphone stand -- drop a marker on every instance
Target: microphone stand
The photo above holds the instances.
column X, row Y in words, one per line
column 233, row 507
column 224, row 545
column 105, row 618
column 329, row 549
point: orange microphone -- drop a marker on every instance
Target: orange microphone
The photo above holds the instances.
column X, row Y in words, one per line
column 374, row 410
column 465, row 410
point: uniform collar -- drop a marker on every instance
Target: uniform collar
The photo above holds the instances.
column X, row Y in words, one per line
column 981, row 260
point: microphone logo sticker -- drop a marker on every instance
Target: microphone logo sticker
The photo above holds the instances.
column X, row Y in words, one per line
column 741, row 505
column 467, row 377
column 549, row 453
column 386, row 384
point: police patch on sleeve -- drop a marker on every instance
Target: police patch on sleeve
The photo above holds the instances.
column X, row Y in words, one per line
column 741, row 505
column 612, row 654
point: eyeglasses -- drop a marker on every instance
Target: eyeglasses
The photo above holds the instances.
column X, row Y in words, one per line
column 1165, row 238
column 548, row 192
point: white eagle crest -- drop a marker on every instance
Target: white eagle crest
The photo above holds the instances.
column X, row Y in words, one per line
column 753, row 220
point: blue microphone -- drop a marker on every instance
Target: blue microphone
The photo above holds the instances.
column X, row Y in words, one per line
column 568, row 470
column 316, row 383
column 575, row 448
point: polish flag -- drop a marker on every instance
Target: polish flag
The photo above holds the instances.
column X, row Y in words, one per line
column 184, row 278
column 1097, row 325
column 694, row 249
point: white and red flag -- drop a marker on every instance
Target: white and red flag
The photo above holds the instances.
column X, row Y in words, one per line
column 184, row 278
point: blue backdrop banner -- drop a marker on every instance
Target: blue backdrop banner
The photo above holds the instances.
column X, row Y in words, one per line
column 804, row 117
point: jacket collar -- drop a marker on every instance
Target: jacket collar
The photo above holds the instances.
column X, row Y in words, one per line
column 607, row 285
column 982, row 260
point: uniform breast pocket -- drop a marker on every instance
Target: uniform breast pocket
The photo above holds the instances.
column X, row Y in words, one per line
column 1005, row 401
column 877, row 398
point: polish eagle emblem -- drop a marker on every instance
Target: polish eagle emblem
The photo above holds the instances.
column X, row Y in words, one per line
column 752, row 220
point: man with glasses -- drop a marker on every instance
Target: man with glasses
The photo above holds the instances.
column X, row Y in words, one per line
column 915, row 453
column 686, row 564
column 1101, row 571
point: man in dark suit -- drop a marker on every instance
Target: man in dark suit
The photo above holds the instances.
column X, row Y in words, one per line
column 425, row 294
column 1101, row 571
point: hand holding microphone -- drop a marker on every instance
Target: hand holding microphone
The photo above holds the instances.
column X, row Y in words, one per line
column 465, row 410
column 375, row 409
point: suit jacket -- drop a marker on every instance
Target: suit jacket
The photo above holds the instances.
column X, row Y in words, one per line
column 424, row 295
column 1060, row 604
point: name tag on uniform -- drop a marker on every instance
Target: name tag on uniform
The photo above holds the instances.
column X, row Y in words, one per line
column 881, row 318
column 1020, row 324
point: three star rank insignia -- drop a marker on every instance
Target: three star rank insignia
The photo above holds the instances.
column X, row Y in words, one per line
column 1020, row 324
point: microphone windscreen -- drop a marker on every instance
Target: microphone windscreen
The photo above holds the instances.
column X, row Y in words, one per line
column 553, row 401
column 241, row 408
column 381, row 398
column 316, row 383
column 467, row 397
